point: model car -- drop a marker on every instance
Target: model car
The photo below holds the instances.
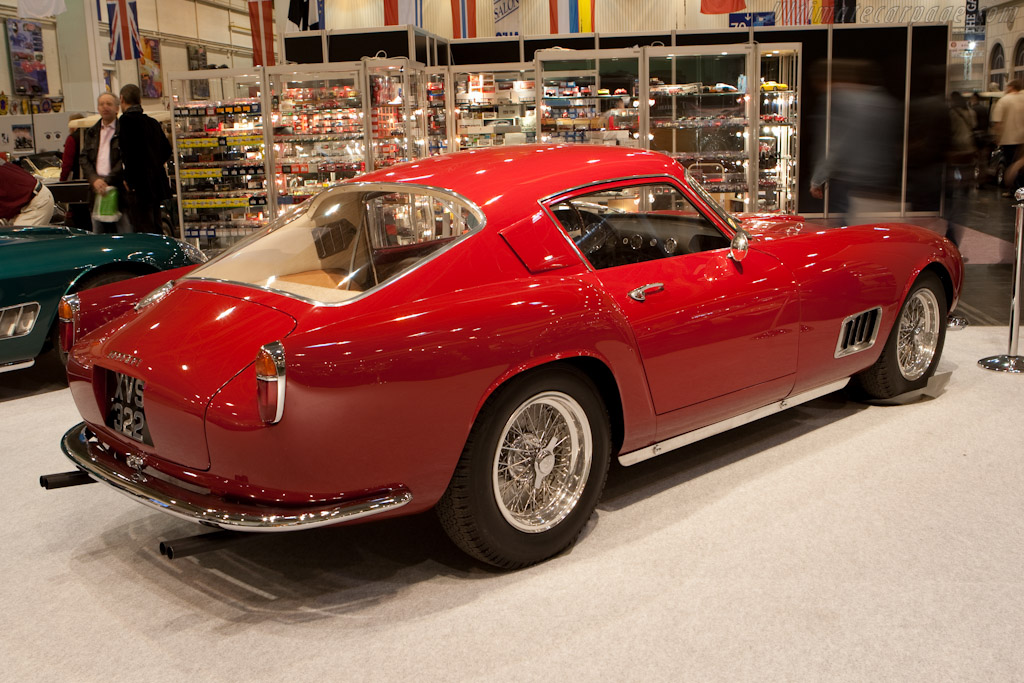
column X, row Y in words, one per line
column 481, row 333
column 39, row 265
column 772, row 86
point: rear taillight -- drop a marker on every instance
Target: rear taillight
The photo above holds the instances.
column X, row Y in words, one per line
column 270, row 382
column 67, row 315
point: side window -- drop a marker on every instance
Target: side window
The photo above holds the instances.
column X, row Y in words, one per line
column 636, row 224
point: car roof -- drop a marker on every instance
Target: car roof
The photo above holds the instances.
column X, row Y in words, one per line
column 514, row 178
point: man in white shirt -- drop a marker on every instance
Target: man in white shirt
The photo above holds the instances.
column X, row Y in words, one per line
column 1008, row 125
column 101, row 157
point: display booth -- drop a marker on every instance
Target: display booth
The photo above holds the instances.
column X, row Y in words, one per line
column 738, row 108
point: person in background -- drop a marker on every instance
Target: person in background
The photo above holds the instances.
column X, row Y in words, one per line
column 69, row 168
column 1008, row 127
column 24, row 200
column 101, row 156
column 863, row 179
column 144, row 151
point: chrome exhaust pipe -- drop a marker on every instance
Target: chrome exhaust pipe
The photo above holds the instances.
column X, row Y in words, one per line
column 193, row 545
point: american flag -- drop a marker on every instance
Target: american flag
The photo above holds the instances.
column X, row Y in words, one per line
column 795, row 13
column 125, row 41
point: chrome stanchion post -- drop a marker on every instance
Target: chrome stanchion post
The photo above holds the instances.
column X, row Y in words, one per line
column 1011, row 362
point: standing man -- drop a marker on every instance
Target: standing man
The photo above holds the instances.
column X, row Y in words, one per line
column 101, row 156
column 1008, row 126
column 144, row 151
column 24, row 200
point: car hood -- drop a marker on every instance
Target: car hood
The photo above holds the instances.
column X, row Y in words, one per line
column 185, row 348
column 30, row 235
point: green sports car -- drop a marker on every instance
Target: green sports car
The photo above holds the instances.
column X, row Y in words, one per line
column 39, row 265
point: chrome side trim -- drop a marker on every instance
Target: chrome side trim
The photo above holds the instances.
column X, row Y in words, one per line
column 16, row 365
column 96, row 460
column 686, row 439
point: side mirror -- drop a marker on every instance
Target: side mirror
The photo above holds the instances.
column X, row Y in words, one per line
column 739, row 246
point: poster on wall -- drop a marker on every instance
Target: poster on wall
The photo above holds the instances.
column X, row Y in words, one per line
column 28, row 68
column 196, row 62
column 16, row 135
column 50, row 131
column 151, row 79
column 506, row 17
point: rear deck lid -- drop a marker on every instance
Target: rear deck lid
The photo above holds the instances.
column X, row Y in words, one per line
column 183, row 349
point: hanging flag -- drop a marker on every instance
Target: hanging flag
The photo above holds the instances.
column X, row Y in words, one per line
column 721, row 6
column 305, row 14
column 404, row 12
column 572, row 16
column 822, row 11
column 39, row 9
column 261, row 24
column 123, row 21
column 293, row 16
column 464, row 18
column 845, row 11
column 795, row 13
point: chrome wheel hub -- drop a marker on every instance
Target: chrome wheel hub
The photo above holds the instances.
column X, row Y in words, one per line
column 918, row 334
column 542, row 462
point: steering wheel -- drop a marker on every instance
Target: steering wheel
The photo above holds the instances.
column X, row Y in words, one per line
column 595, row 235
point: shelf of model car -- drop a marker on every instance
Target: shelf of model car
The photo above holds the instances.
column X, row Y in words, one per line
column 701, row 122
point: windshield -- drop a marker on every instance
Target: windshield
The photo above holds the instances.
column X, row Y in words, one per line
column 346, row 240
column 729, row 219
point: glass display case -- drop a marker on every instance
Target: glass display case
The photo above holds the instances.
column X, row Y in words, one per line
column 437, row 111
column 397, row 120
column 590, row 96
column 701, row 112
column 219, row 153
column 777, row 139
column 317, row 128
column 495, row 105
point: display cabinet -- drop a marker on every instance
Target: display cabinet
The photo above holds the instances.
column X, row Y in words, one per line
column 438, row 112
column 317, row 128
column 219, row 152
column 397, row 128
column 700, row 113
column 590, row 96
column 495, row 105
column 777, row 150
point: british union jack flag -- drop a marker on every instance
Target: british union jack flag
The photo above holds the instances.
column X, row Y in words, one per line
column 125, row 41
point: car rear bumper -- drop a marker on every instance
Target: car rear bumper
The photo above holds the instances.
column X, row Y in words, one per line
column 198, row 505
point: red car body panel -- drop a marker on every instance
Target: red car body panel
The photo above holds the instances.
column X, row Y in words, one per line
column 382, row 391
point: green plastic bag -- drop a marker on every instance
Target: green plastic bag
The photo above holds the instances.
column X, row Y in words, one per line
column 104, row 208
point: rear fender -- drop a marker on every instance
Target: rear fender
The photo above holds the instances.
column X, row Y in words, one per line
column 101, row 305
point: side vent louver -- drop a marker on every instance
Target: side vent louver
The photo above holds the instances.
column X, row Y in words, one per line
column 858, row 332
column 17, row 321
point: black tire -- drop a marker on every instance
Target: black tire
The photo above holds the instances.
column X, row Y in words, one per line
column 566, row 488
column 911, row 354
column 87, row 282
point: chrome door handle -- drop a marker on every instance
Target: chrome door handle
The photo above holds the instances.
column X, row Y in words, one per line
column 640, row 293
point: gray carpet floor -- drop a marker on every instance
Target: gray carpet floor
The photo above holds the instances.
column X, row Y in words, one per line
column 833, row 542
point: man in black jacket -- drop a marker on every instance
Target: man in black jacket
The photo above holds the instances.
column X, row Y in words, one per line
column 101, row 156
column 144, row 151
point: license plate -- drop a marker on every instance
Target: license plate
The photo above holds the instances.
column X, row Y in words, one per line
column 127, row 407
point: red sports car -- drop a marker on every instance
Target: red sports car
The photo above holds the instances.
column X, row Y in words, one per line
column 481, row 333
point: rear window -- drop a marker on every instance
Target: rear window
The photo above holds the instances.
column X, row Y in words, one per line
column 346, row 241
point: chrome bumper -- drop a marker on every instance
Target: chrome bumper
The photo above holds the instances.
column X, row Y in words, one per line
column 94, row 458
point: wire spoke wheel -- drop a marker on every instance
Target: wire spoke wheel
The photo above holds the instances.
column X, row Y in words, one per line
column 532, row 470
column 918, row 335
column 542, row 462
